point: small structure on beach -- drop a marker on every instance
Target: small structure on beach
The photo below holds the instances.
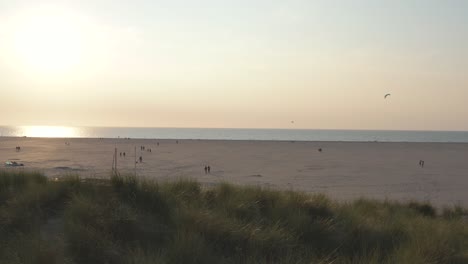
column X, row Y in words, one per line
column 13, row 164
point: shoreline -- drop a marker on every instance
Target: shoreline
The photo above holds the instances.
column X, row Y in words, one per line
column 236, row 140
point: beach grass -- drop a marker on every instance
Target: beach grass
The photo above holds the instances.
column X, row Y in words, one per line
column 131, row 220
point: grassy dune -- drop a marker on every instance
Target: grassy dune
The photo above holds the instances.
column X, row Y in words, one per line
column 126, row 220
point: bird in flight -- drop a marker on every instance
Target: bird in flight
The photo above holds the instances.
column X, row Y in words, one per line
column 387, row 95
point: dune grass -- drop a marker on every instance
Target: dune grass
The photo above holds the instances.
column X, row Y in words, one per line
column 130, row 220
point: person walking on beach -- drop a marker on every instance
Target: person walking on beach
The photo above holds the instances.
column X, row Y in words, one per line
column 209, row 169
column 206, row 169
column 141, row 159
column 124, row 154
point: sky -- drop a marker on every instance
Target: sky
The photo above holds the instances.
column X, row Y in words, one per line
column 239, row 64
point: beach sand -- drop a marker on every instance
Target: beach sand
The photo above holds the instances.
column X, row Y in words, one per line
column 343, row 170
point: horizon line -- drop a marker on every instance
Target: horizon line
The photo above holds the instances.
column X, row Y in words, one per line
column 245, row 128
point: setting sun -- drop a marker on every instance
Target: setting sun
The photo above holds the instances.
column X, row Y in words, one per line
column 49, row 41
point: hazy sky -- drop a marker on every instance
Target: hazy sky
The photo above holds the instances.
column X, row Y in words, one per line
column 256, row 63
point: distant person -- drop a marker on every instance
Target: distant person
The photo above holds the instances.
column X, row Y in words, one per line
column 120, row 154
column 141, row 159
column 177, row 141
column 157, row 143
column 206, row 169
column 320, row 149
column 124, row 154
column 209, row 169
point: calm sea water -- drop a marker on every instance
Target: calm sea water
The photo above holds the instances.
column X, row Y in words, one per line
column 236, row 134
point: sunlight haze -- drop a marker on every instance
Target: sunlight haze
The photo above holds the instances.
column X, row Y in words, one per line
column 240, row 64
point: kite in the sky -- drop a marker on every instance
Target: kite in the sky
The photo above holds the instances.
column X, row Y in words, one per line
column 387, row 95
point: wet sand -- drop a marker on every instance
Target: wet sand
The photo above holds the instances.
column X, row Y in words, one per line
column 343, row 170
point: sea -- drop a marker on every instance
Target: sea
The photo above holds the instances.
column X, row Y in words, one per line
column 235, row 134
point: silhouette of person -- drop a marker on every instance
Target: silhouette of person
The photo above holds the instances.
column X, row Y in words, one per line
column 124, row 154
column 421, row 163
column 206, row 169
column 141, row 159
column 209, row 169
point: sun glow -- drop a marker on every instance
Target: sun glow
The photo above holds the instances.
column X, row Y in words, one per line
column 49, row 40
column 49, row 131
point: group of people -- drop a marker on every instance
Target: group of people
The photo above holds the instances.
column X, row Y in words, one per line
column 18, row 148
column 147, row 149
column 207, row 169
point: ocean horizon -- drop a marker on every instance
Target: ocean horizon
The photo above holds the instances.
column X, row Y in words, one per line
column 236, row 134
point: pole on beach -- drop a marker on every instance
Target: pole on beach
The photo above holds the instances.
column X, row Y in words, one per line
column 114, row 163
column 135, row 161
column 115, row 155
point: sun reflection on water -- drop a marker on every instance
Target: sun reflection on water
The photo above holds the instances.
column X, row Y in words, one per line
column 48, row 131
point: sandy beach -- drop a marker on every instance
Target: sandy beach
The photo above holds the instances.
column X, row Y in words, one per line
column 343, row 170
